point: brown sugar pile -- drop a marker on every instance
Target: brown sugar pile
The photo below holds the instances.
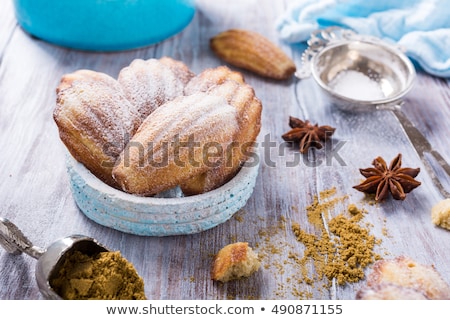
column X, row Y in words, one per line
column 335, row 250
column 105, row 276
column 340, row 248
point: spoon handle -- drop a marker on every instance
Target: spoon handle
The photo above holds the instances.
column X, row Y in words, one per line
column 15, row 242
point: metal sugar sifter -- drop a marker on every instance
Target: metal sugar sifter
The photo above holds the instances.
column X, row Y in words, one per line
column 364, row 73
column 49, row 260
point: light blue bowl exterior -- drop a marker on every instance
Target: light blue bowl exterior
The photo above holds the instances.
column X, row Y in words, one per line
column 104, row 25
column 150, row 216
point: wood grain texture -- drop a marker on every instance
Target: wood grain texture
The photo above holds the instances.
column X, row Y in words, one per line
column 35, row 195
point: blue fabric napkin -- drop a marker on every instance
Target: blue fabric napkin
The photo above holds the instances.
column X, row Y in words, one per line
column 421, row 27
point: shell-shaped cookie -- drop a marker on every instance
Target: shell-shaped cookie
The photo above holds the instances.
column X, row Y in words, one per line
column 148, row 84
column 406, row 272
column 182, row 138
column 242, row 97
column 211, row 77
column 94, row 119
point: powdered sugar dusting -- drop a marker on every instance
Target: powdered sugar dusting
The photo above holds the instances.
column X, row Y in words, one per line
column 208, row 117
column 149, row 105
column 201, row 119
column 95, row 104
column 149, row 84
column 357, row 86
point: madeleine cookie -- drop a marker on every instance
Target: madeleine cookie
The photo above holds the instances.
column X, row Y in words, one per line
column 148, row 84
column 410, row 275
column 174, row 143
column 229, row 85
column 95, row 120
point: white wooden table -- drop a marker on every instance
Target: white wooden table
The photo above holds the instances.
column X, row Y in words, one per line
column 35, row 194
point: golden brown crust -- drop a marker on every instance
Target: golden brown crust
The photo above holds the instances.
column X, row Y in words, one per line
column 254, row 52
column 405, row 272
column 234, row 261
column 169, row 146
column 211, row 77
column 99, row 116
column 228, row 84
column 94, row 119
column 148, row 84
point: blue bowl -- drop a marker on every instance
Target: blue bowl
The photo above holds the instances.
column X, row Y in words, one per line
column 168, row 215
column 104, row 25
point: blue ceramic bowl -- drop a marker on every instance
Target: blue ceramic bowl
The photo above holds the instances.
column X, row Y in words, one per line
column 104, row 25
column 167, row 215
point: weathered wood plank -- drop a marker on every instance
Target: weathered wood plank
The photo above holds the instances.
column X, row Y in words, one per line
column 34, row 191
column 7, row 25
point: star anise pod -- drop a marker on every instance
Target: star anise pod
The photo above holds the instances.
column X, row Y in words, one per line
column 306, row 134
column 382, row 180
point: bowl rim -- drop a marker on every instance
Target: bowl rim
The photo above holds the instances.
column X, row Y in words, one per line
column 379, row 43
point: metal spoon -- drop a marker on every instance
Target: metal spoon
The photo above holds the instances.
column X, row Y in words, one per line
column 334, row 51
column 49, row 260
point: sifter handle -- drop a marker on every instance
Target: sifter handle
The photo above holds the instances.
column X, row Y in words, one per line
column 422, row 146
